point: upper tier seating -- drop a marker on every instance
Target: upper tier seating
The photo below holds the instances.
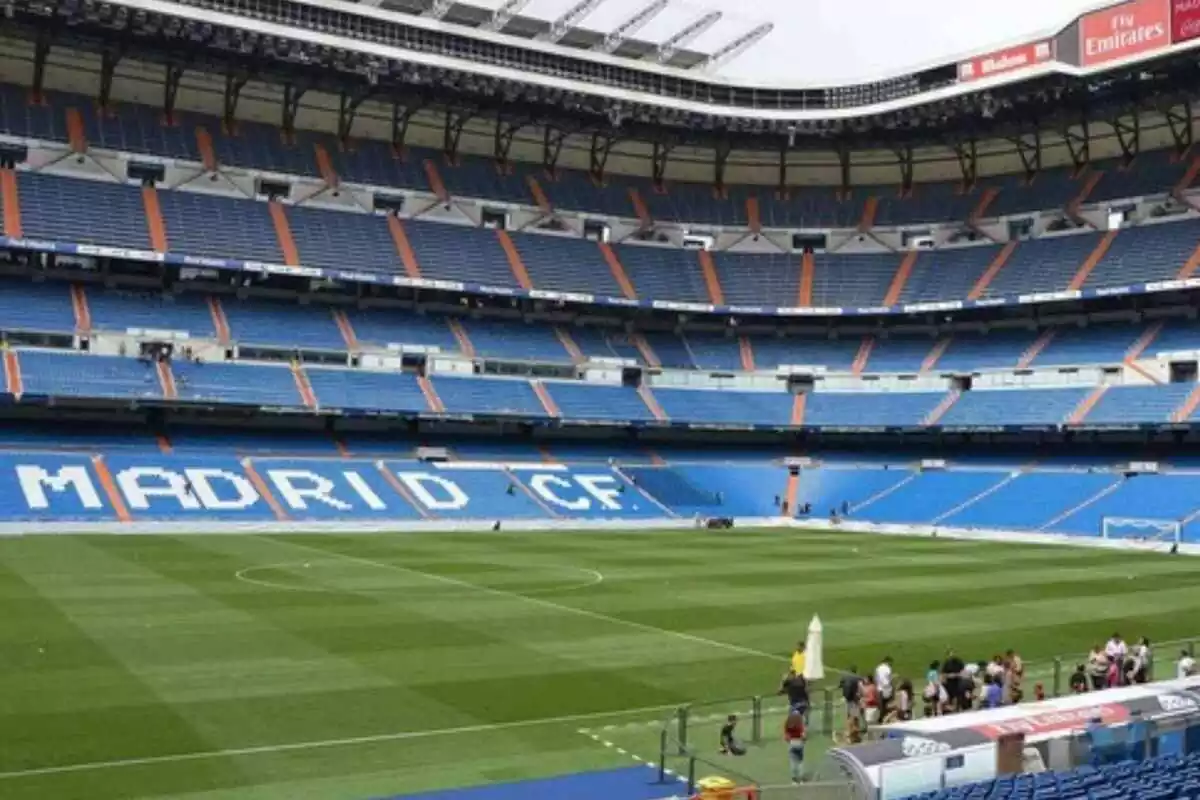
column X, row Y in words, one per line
column 1044, row 265
column 139, row 129
column 61, row 209
column 68, row 210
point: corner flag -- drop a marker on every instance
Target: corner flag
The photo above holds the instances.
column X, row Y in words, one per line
column 814, row 662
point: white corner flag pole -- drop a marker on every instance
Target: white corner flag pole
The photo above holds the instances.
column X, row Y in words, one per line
column 814, row 656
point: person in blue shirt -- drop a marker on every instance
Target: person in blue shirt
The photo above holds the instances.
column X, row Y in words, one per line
column 993, row 692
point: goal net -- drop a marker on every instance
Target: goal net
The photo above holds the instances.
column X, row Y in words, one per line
column 1149, row 531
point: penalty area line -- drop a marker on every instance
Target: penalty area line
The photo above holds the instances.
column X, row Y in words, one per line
column 288, row 747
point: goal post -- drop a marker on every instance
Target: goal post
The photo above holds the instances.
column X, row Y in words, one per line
column 1145, row 530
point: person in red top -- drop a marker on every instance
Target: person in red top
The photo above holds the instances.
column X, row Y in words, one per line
column 870, row 700
column 794, row 734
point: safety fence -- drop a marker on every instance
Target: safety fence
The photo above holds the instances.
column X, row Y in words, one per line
column 689, row 738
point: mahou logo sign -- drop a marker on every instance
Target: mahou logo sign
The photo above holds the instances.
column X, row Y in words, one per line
column 1185, row 20
column 1009, row 60
column 1125, row 30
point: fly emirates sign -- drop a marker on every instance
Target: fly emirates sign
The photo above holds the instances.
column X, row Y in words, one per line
column 1185, row 20
column 1122, row 31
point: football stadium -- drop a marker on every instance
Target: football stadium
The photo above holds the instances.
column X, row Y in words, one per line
column 599, row 400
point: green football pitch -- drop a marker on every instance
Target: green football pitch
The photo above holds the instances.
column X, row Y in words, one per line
column 358, row 666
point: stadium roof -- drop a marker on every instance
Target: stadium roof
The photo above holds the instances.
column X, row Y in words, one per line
column 765, row 42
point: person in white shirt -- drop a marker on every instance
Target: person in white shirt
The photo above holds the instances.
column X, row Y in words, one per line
column 1139, row 670
column 883, row 682
column 1185, row 667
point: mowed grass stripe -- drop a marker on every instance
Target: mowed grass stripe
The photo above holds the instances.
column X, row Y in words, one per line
column 50, row 657
column 459, row 640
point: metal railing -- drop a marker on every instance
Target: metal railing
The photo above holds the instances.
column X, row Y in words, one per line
column 689, row 737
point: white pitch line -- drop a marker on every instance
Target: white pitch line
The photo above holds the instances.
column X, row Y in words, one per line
column 319, row 744
column 538, row 601
column 596, row 577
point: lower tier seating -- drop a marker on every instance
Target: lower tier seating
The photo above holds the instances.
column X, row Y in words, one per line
column 241, row 476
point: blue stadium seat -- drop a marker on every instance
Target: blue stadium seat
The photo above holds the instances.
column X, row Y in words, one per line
column 72, row 374
column 947, row 274
column 459, row 253
column 730, row 407
column 381, row 327
column 664, row 273
column 1000, row 349
column 358, row 390
column 1146, row 253
column 343, row 240
column 1014, row 407
column 1099, row 344
column 927, row 495
column 236, row 383
column 218, row 227
column 1029, row 500
column 1043, row 265
column 566, row 264
column 1138, row 404
column 880, row 409
column 759, row 279
column 122, row 311
column 605, row 343
column 513, row 339
column 853, row 280
column 899, row 353
column 601, row 403
column 282, row 325
column 488, row 396
column 36, row 306
column 61, row 209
